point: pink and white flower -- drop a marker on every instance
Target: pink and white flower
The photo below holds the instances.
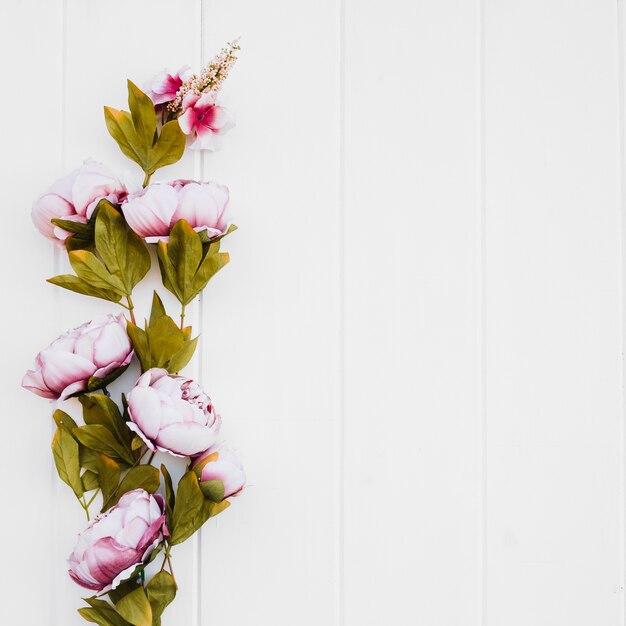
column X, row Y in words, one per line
column 163, row 87
column 202, row 120
column 74, row 197
column 220, row 463
column 117, row 541
column 172, row 413
column 97, row 348
column 153, row 212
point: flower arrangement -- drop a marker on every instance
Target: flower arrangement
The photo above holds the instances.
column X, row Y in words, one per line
column 107, row 230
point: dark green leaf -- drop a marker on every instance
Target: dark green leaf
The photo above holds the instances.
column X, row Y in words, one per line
column 168, row 271
column 185, row 252
column 139, row 339
column 88, row 459
column 86, row 230
column 95, row 384
column 65, row 451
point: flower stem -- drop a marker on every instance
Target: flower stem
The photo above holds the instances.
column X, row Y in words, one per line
column 146, row 180
column 151, row 457
column 131, row 310
column 182, row 317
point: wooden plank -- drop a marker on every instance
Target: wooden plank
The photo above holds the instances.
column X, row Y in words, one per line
column 271, row 322
column 32, row 158
column 553, row 258
column 412, row 298
column 107, row 43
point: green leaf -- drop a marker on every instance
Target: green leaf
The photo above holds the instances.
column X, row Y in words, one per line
column 211, row 265
column 100, row 409
column 140, row 477
column 143, row 116
column 185, row 252
column 108, row 476
column 161, row 591
column 165, row 340
column 135, row 608
column 136, row 443
column 77, row 285
column 136, row 134
column 212, row 490
column 88, row 267
column 120, row 127
column 184, row 270
column 88, row 459
column 139, row 339
column 99, row 438
column 191, row 509
column 124, row 253
column 86, row 230
column 123, row 589
column 170, row 496
column 169, row 147
column 215, row 241
column 157, row 310
column 65, row 451
column 90, row 480
column 101, row 613
column 183, row 356
column 95, row 384
column 63, row 420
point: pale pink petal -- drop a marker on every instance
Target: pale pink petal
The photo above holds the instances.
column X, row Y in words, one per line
column 145, row 410
column 61, row 369
column 188, row 438
column 112, row 345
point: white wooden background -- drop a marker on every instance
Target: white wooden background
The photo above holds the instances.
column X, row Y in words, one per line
column 417, row 347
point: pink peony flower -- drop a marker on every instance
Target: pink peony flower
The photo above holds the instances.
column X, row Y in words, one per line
column 75, row 197
column 117, row 541
column 202, row 120
column 96, row 348
column 163, row 87
column 172, row 413
column 152, row 212
column 220, row 463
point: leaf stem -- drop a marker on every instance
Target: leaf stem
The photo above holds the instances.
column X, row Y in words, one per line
column 151, row 457
column 131, row 310
column 85, row 506
column 93, row 497
column 182, row 317
column 146, row 180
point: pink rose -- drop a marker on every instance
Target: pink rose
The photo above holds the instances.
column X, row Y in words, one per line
column 172, row 413
column 163, row 87
column 75, row 197
column 152, row 212
column 96, row 348
column 220, row 463
column 202, row 120
column 117, row 541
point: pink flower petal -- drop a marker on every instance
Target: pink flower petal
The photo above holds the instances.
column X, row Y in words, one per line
column 61, row 369
column 187, row 438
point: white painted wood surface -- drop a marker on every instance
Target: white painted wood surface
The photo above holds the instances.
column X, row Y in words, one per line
column 417, row 347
